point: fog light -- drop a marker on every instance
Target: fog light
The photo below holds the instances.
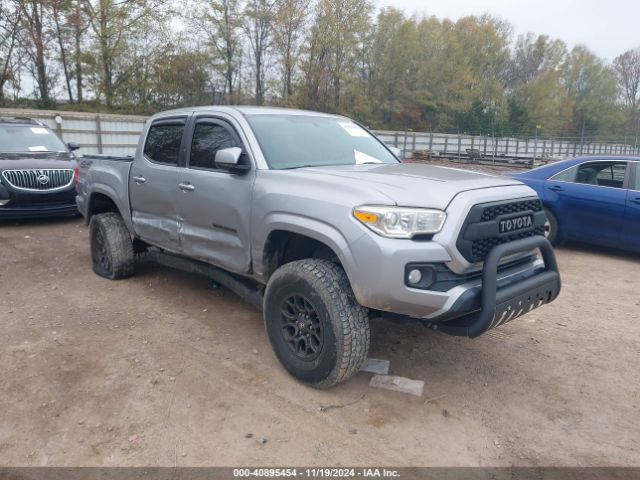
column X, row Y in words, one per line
column 414, row 276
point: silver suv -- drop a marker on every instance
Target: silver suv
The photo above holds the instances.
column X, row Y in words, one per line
column 315, row 221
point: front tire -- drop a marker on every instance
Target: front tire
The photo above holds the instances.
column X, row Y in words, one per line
column 551, row 228
column 111, row 246
column 316, row 327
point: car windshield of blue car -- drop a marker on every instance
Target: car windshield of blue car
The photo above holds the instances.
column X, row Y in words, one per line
column 297, row 141
column 29, row 138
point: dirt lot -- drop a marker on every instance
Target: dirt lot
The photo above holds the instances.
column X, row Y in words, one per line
column 162, row 370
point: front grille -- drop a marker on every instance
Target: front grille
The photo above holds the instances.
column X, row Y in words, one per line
column 489, row 213
column 39, row 180
column 481, row 248
column 475, row 249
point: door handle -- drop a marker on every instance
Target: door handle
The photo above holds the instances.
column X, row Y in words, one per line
column 636, row 200
column 186, row 187
column 555, row 188
column 139, row 180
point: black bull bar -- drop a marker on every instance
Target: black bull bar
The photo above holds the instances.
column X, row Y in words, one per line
column 500, row 306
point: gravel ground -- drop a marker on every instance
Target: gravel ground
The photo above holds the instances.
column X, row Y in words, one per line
column 161, row 369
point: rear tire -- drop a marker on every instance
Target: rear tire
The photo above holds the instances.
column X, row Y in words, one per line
column 111, row 246
column 316, row 327
column 551, row 227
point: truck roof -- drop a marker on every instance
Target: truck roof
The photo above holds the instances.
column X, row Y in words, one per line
column 244, row 110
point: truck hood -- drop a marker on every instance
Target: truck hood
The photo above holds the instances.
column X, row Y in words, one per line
column 409, row 184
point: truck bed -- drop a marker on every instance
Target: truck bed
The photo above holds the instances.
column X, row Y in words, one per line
column 106, row 174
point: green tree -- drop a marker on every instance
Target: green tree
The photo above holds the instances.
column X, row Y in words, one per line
column 114, row 25
column 593, row 90
column 332, row 51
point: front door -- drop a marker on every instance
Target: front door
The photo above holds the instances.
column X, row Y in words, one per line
column 631, row 228
column 153, row 184
column 214, row 205
column 591, row 206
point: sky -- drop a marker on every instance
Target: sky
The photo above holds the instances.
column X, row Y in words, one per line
column 607, row 27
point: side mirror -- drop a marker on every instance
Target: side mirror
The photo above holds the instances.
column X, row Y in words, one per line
column 228, row 159
column 73, row 146
column 396, row 151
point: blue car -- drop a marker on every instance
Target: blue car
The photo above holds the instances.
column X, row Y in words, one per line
column 590, row 199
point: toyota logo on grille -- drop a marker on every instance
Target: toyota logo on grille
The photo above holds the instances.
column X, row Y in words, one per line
column 43, row 179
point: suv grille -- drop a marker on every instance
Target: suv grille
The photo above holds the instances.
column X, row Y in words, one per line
column 39, row 180
column 476, row 246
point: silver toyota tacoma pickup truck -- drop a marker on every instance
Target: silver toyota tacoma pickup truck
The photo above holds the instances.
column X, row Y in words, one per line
column 313, row 220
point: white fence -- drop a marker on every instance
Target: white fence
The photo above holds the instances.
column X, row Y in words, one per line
column 118, row 135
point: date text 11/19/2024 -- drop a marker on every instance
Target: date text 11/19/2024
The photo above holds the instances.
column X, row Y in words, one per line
column 316, row 472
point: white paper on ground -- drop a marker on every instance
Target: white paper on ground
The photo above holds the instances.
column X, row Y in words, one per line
column 376, row 365
column 353, row 129
column 362, row 158
column 398, row 384
column 39, row 131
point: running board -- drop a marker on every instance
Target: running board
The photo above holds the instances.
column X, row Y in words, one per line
column 247, row 291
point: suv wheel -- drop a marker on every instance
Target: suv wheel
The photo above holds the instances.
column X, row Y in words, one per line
column 111, row 246
column 317, row 329
column 551, row 227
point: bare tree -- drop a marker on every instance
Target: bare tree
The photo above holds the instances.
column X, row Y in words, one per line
column 258, row 26
column 290, row 19
column 9, row 28
column 220, row 21
column 34, row 40
column 626, row 68
column 58, row 12
column 78, row 21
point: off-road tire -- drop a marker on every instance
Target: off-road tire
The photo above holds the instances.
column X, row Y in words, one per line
column 344, row 323
column 112, row 252
column 553, row 235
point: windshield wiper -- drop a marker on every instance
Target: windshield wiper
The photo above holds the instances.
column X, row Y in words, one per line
column 299, row 166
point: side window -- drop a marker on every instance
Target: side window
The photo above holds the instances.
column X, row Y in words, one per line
column 603, row 174
column 163, row 143
column 208, row 138
column 637, row 177
column 568, row 175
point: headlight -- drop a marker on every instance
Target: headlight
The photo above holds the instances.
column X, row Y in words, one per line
column 400, row 222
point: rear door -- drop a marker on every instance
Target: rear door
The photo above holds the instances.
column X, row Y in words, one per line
column 214, row 206
column 631, row 228
column 153, row 184
column 589, row 201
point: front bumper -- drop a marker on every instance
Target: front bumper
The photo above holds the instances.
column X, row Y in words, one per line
column 501, row 305
column 37, row 210
column 16, row 204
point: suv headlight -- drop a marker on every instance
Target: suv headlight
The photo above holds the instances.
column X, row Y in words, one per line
column 400, row 222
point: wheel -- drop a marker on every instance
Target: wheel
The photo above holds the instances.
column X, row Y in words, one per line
column 316, row 327
column 111, row 246
column 551, row 227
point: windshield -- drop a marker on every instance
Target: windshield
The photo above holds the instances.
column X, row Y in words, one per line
column 29, row 138
column 294, row 141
